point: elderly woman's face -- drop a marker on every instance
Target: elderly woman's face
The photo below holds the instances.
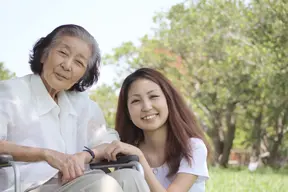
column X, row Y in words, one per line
column 65, row 63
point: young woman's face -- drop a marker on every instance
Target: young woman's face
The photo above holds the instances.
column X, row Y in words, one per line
column 147, row 105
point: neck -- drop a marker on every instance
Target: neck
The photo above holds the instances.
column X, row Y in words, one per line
column 155, row 140
column 52, row 92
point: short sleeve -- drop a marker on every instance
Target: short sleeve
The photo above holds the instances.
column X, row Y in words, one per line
column 198, row 164
column 97, row 132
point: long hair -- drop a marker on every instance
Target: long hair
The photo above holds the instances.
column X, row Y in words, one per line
column 181, row 122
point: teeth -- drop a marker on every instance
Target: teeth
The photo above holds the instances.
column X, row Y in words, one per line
column 149, row 117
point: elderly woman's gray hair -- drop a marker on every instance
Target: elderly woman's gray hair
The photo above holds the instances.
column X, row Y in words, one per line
column 44, row 44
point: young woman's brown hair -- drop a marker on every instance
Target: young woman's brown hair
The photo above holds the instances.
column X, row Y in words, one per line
column 181, row 123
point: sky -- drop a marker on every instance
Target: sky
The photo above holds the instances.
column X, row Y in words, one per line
column 111, row 22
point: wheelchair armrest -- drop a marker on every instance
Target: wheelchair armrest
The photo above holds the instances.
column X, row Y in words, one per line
column 121, row 159
column 5, row 160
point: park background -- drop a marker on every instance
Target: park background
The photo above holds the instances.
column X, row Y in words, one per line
column 227, row 58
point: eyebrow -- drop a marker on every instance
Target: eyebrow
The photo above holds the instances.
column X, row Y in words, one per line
column 63, row 45
column 67, row 47
column 147, row 92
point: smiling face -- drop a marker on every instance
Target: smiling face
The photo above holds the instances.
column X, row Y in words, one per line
column 65, row 63
column 147, row 105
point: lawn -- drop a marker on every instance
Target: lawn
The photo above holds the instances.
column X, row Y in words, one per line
column 235, row 180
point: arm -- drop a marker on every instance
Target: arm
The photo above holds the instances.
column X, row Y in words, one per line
column 99, row 136
column 182, row 183
column 117, row 147
column 154, row 184
column 69, row 165
column 34, row 154
column 187, row 173
column 197, row 170
column 22, row 153
column 19, row 153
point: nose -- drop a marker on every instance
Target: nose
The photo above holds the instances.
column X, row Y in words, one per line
column 146, row 105
column 67, row 65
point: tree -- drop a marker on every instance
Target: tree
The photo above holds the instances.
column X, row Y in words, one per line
column 269, row 22
column 225, row 58
column 5, row 73
column 106, row 97
column 202, row 60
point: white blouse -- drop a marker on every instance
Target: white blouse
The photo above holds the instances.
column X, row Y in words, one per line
column 197, row 167
column 30, row 117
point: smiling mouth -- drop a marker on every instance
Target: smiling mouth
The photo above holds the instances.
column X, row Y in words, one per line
column 150, row 116
column 59, row 75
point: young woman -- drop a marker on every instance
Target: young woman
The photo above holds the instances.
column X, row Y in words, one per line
column 154, row 123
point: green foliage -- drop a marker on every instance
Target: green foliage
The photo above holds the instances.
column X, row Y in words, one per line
column 5, row 73
column 106, row 97
column 229, row 60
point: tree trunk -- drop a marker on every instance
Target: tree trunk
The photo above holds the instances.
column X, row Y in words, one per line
column 256, row 135
column 230, row 134
column 218, row 145
column 216, row 134
column 280, row 124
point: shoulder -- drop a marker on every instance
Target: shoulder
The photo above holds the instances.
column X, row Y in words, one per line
column 198, row 151
column 197, row 144
column 197, row 165
column 78, row 98
column 198, row 154
column 82, row 102
column 14, row 88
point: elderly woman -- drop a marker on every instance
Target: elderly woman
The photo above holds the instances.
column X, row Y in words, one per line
column 48, row 122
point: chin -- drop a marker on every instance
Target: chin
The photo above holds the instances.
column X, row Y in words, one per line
column 151, row 128
column 58, row 85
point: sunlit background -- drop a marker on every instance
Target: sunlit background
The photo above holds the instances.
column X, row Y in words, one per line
column 229, row 60
column 111, row 22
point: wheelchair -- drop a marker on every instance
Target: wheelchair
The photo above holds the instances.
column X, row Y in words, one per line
column 123, row 161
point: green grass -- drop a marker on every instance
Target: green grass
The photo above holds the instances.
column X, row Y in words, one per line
column 241, row 180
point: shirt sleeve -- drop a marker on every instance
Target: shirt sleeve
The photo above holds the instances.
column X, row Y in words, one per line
column 3, row 125
column 198, row 164
column 97, row 132
column 5, row 94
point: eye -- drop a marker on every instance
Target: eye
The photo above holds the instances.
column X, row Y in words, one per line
column 154, row 96
column 134, row 101
column 79, row 63
column 63, row 53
